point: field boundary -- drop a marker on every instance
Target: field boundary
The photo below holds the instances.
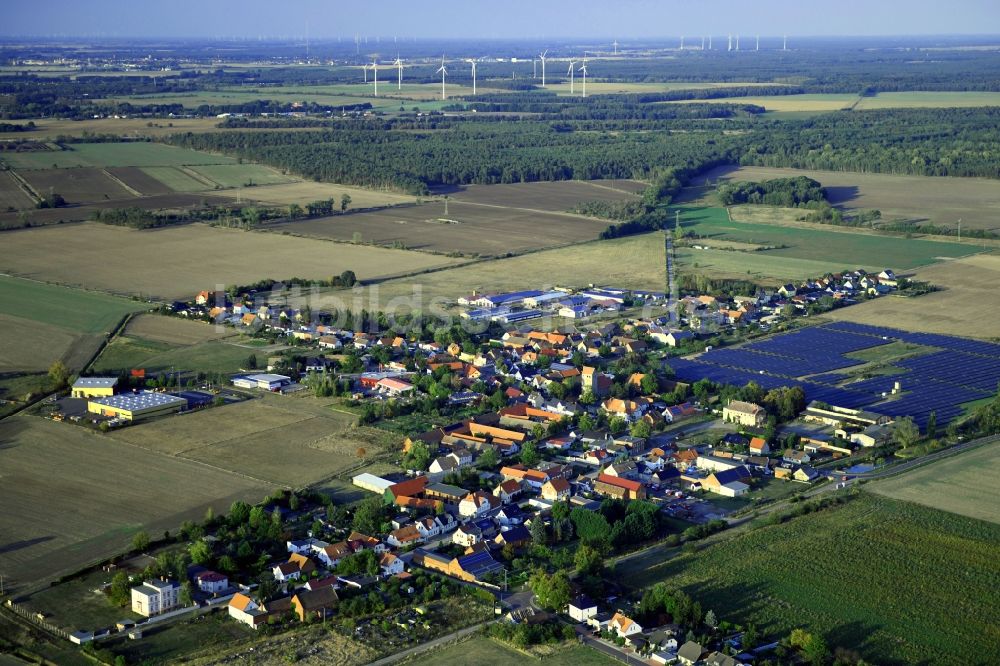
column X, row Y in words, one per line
column 128, row 188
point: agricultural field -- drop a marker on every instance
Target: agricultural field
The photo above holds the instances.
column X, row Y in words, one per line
column 872, row 575
column 302, row 192
column 140, row 181
column 617, row 87
column 83, row 185
column 554, row 197
column 926, row 99
column 469, row 229
column 66, row 512
column 957, row 309
column 241, row 175
column 175, row 262
column 963, row 483
column 11, row 194
column 176, row 179
column 483, row 651
column 281, row 441
column 816, row 102
column 128, row 352
column 942, row 201
column 822, row 244
column 47, row 129
column 42, row 323
column 175, row 331
column 103, row 155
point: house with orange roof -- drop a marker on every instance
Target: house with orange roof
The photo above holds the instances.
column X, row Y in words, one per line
column 405, row 536
column 613, row 486
column 507, row 490
column 475, row 505
column 556, row 489
column 759, row 446
column 409, row 488
column 623, row 625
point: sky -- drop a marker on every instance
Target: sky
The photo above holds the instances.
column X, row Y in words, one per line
column 504, row 19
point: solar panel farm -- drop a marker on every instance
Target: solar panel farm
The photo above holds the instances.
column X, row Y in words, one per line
column 955, row 373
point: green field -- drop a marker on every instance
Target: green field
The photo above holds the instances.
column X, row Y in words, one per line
column 139, row 153
column 482, row 651
column 823, row 102
column 72, row 309
column 176, row 179
column 965, row 484
column 133, row 352
column 876, row 575
column 239, row 175
column 840, row 248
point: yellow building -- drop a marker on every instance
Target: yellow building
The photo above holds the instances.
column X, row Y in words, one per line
column 94, row 387
column 136, row 406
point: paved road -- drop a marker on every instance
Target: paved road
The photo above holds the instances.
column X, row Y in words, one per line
column 430, row 645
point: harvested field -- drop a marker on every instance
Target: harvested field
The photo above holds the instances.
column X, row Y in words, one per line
column 958, row 309
column 943, row 201
column 140, row 181
column 272, row 440
column 175, row 331
column 176, row 262
column 139, row 153
column 557, row 196
column 126, row 352
column 926, row 99
column 27, row 346
column 50, row 128
column 80, row 213
column 80, row 311
column 303, row 192
column 77, row 186
column 964, row 483
column 65, row 510
column 11, row 194
column 241, row 175
column 467, row 228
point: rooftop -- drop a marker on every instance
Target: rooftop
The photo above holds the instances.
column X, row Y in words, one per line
column 141, row 400
column 95, row 382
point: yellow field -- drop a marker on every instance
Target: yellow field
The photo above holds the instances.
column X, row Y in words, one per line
column 618, row 87
column 963, row 306
column 177, row 262
column 303, row 192
column 815, row 102
column 964, row 483
column 31, row 346
column 929, row 100
column 49, row 128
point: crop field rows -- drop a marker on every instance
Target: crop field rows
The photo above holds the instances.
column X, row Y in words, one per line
column 959, row 372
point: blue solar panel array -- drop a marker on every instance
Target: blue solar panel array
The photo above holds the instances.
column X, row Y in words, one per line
column 939, row 382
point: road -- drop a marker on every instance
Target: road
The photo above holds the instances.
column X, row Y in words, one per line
column 613, row 651
column 429, row 645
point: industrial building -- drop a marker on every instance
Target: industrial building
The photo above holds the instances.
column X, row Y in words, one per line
column 266, row 382
column 94, row 387
column 137, row 406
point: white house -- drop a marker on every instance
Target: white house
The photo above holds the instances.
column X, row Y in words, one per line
column 154, row 597
column 467, row 535
column 623, row 625
column 212, row 582
column 285, row 572
column 390, row 565
column 582, row 608
column 476, row 505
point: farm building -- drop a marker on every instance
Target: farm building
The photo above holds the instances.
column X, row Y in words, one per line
column 371, row 483
column 137, row 406
column 612, row 486
column 94, row 387
column 265, row 382
column 744, row 413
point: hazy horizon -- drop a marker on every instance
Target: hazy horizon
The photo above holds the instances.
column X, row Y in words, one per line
column 518, row 19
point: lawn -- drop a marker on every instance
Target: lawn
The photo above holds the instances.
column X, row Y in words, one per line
column 139, row 153
column 482, row 651
column 71, row 309
column 873, row 575
column 893, row 351
column 838, row 247
column 129, row 352
column 964, row 483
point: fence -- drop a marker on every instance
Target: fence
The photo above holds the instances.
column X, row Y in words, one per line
column 32, row 617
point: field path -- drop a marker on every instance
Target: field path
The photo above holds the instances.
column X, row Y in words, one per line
column 128, row 188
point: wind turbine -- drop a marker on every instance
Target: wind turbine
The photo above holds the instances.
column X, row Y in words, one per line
column 615, row 44
column 442, row 70
column 702, row 43
column 375, row 70
column 364, row 68
column 571, row 74
column 541, row 56
column 710, row 42
column 784, row 43
column 473, row 63
column 682, row 42
column 399, row 64
column 730, row 47
column 584, row 70
column 758, row 44
column 737, row 42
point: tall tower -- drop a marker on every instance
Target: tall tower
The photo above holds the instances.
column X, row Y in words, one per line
column 672, row 291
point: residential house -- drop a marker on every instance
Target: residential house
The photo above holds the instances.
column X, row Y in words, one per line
column 873, row 435
column 391, row 565
column 690, row 653
column 211, row 582
column 720, row 659
column 716, row 463
column 613, row 486
column 676, row 413
column 507, row 491
column 582, row 608
column 244, row 609
column 594, row 381
column 509, row 515
column 625, row 469
column 759, row 446
column 796, row 457
column 728, row 483
column 154, row 597
column 556, row 489
column 806, row 474
column 286, row 571
column 623, row 625
column 407, row 535
column 478, row 504
column 331, row 554
column 515, row 537
column 744, row 413
column 467, row 535
column 314, row 603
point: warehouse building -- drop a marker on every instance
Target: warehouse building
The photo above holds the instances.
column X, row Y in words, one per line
column 266, row 382
column 137, row 406
column 94, row 387
column 372, row 483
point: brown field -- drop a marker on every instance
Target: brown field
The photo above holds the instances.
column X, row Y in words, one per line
column 943, row 201
column 11, row 194
column 960, row 308
column 176, row 262
column 558, row 196
column 72, row 496
column 278, row 440
column 31, row 346
column 80, row 185
column 174, row 331
column 79, row 213
column 470, row 229
column 47, row 128
column 140, row 181
column 303, row 192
